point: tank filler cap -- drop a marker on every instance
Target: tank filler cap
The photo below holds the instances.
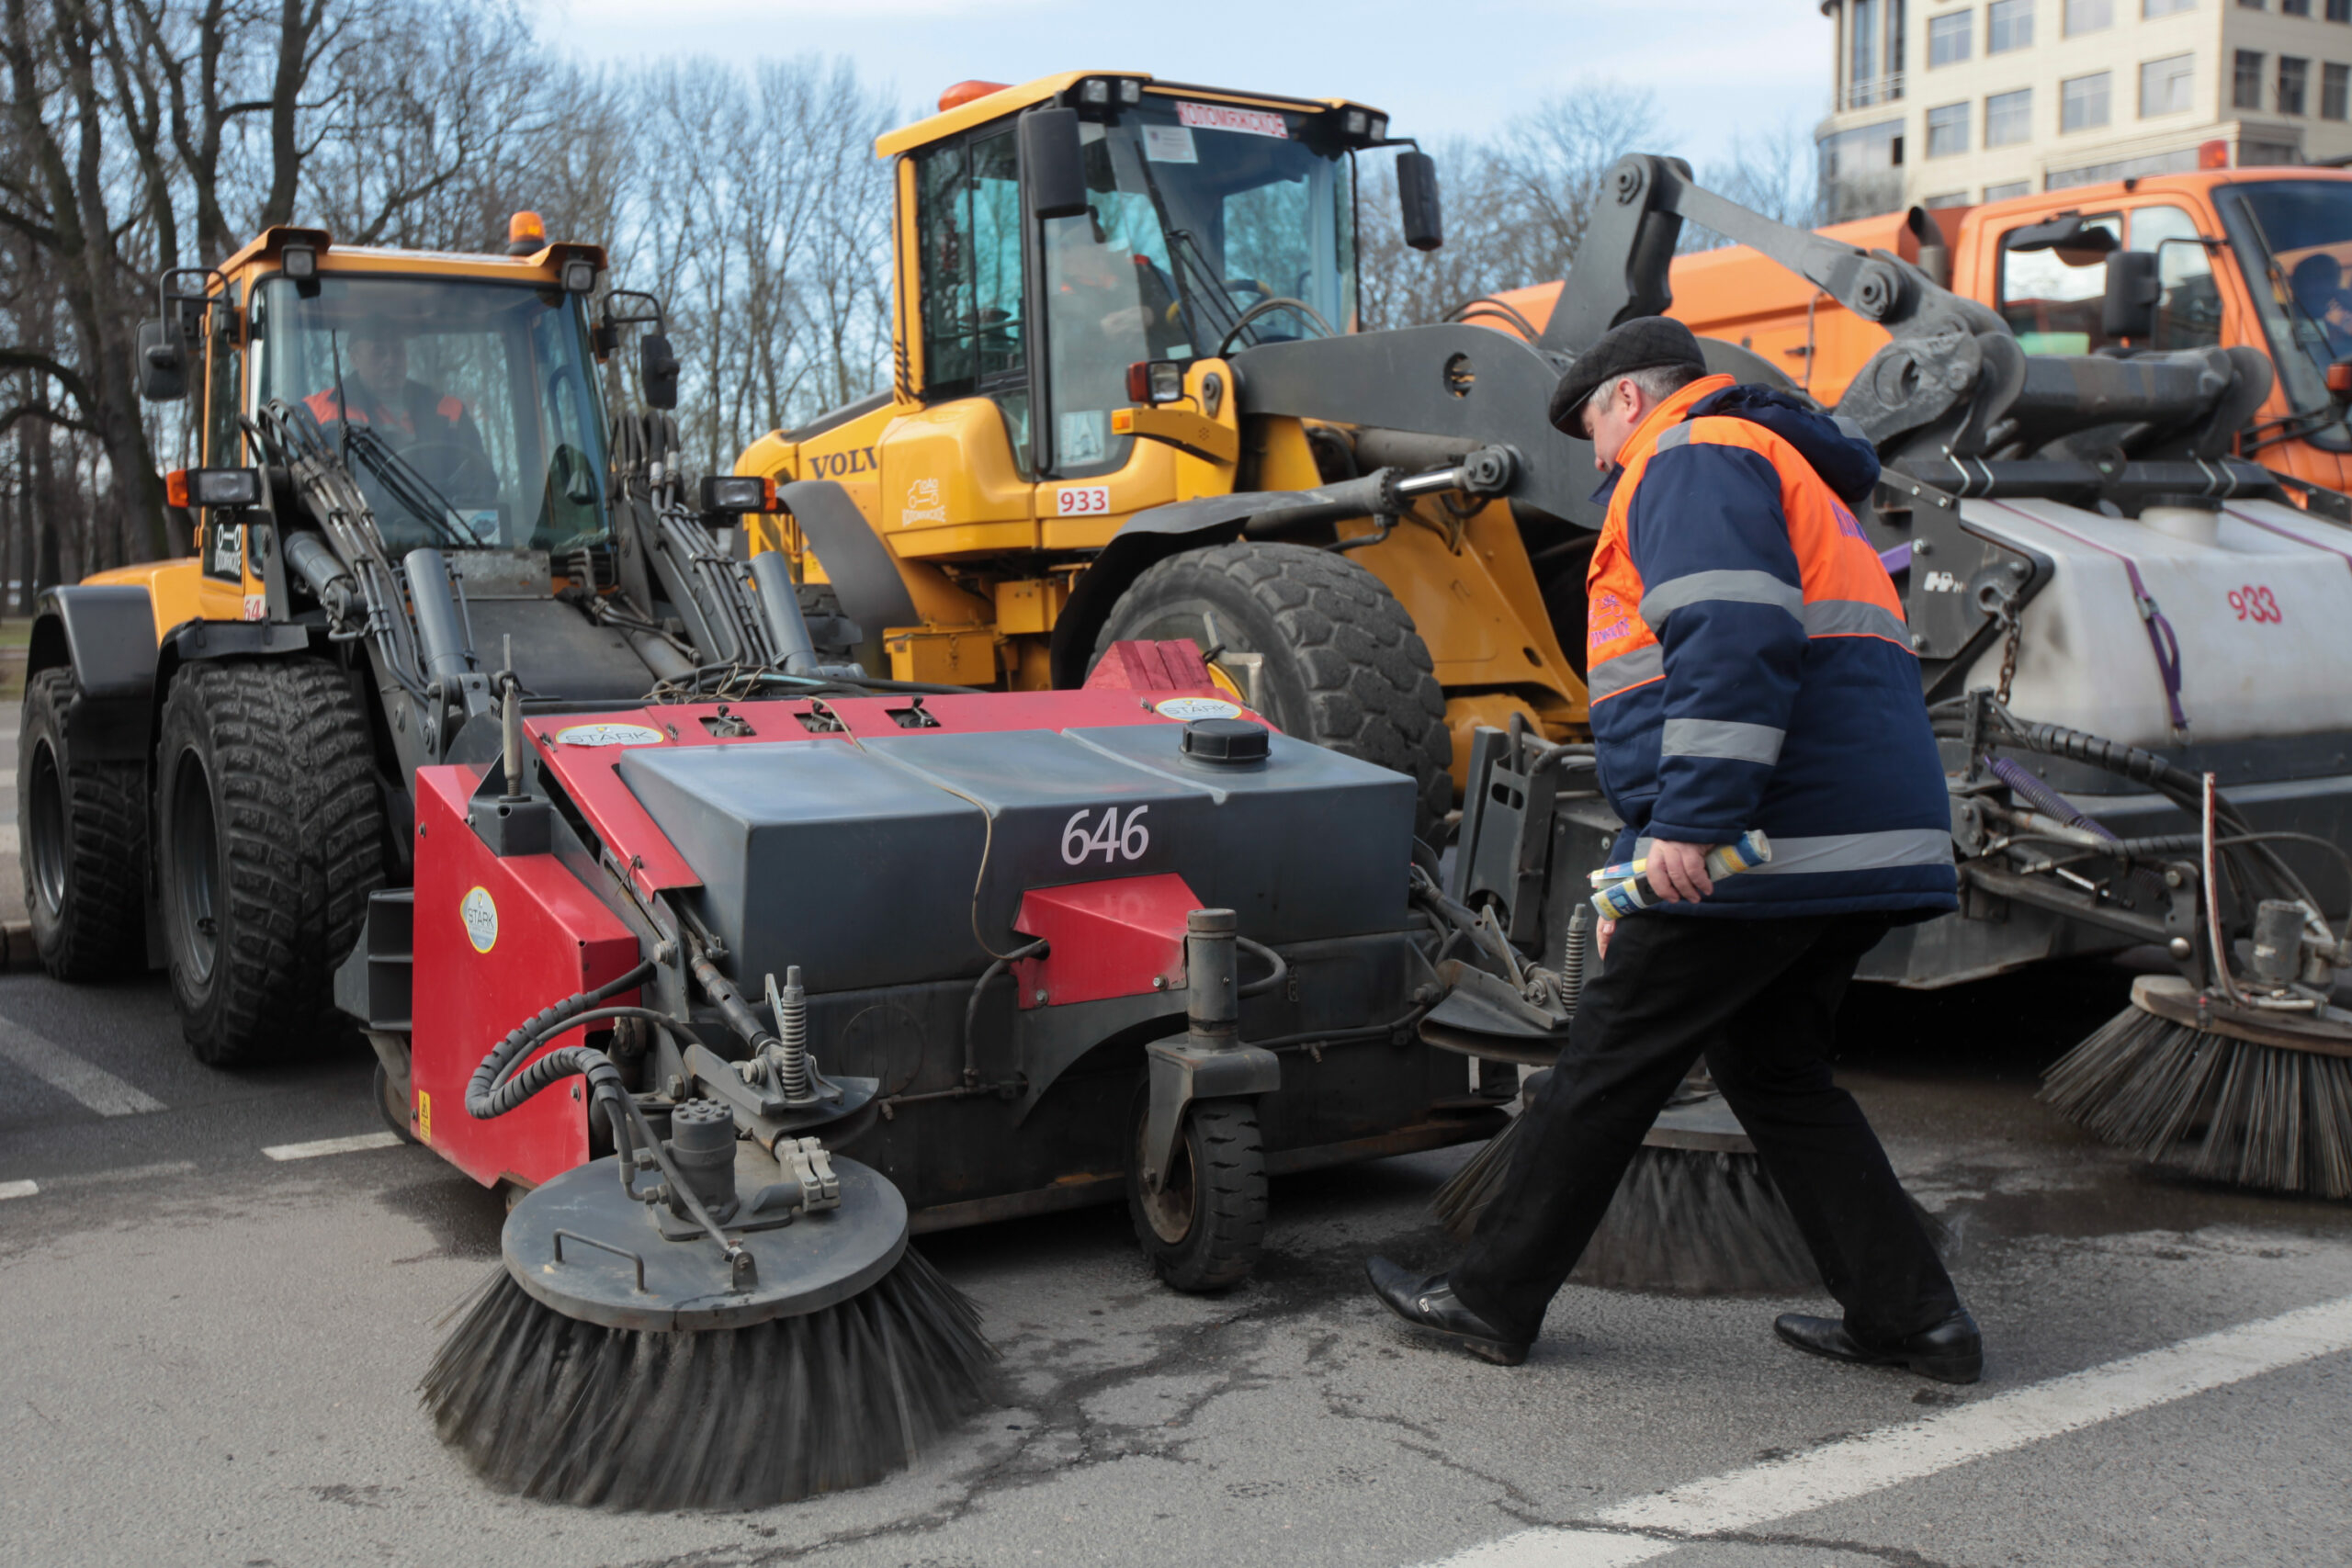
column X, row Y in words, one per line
column 1227, row 742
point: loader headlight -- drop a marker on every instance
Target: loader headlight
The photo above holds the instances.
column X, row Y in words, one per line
column 735, row 494
column 1155, row 382
column 579, row 277
column 1095, row 92
column 214, row 487
column 1358, row 123
column 300, row 262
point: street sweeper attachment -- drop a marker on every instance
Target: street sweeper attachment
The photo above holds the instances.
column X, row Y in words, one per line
column 693, row 1321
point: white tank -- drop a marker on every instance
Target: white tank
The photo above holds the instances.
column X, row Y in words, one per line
column 2263, row 611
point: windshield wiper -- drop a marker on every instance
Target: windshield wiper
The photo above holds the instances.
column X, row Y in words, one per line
column 408, row 487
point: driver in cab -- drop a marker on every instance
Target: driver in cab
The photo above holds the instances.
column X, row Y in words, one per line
column 376, row 393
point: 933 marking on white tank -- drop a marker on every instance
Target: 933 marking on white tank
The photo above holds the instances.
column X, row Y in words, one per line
column 1117, row 842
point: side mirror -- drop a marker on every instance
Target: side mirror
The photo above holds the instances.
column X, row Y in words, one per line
column 657, row 371
column 162, row 362
column 2128, row 310
column 1417, row 199
column 2067, row 231
column 1053, row 163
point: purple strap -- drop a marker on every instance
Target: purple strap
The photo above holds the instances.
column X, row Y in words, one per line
column 1895, row 559
column 2162, row 640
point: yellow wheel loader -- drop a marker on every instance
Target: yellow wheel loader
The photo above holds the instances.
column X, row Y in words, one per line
column 409, row 511
column 1128, row 400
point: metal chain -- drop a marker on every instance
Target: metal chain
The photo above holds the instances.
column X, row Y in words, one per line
column 2010, row 649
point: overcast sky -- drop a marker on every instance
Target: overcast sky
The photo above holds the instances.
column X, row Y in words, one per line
column 1719, row 68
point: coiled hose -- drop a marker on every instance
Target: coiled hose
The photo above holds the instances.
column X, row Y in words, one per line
column 492, row 1092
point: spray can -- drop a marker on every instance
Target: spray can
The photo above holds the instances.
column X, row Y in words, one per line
column 1624, row 889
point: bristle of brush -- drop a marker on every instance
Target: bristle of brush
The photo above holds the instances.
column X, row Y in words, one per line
column 554, row 1408
column 2214, row 1105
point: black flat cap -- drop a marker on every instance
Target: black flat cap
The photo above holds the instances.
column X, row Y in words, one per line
column 1645, row 343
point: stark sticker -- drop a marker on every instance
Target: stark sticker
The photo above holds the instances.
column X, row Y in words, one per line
column 1168, row 144
column 1196, row 707
column 608, row 735
column 1223, row 117
column 481, row 914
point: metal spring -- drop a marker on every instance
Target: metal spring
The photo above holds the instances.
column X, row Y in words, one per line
column 791, row 1005
column 1572, row 945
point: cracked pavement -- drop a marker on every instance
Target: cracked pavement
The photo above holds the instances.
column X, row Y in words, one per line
column 213, row 1362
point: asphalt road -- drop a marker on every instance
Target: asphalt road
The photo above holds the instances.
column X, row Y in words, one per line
column 210, row 1354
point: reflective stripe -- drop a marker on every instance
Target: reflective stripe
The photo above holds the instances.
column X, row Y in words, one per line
column 1702, row 587
column 1614, row 675
column 1721, row 740
column 1849, row 852
column 1850, row 618
column 1676, row 435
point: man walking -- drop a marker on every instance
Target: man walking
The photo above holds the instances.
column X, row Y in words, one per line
column 1750, row 668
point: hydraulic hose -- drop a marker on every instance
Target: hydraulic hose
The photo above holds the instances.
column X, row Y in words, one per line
column 490, row 1093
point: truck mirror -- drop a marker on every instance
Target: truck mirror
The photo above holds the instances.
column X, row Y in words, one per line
column 2128, row 310
column 162, row 362
column 2067, row 231
column 1417, row 199
column 1053, row 163
column 657, row 371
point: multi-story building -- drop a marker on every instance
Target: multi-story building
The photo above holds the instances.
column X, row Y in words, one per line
column 1949, row 102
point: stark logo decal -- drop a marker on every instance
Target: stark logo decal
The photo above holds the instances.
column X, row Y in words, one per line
column 923, row 505
column 481, row 914
column 608, row 735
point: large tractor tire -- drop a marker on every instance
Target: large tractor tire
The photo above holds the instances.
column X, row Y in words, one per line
column 1204, row 1229
column 83, row 843
column 1343, row 666
column 269, row 839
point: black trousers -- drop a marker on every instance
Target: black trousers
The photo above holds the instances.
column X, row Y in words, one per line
column 1759, row 1000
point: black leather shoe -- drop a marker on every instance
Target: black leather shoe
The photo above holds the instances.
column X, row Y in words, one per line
column 1953, row 1352
column 1431, row 1303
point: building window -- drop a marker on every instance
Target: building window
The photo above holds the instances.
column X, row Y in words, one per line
column 1948, row 198
column 2082, row 102
column 2088, row 16
column 2294, row 76
column 2246, row 85
column 1862, row 171
column 2295, row 7
column 1948, row 131
column 2339, row 10
column 1873, row 53
column 2164, row 85
column 2151, row 9
column 2007, row 189
column 2008, row 118
column 2334, row 87
column 2008, row 24
column 1948, row 39
column 2251, row 6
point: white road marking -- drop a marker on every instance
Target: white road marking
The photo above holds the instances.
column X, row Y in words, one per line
column 7, row 838
column 1739, row 1500
column 7, row 778
column 18, row 1189
column 331, row 1146
column 60, row 1068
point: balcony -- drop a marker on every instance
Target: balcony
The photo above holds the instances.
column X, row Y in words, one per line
column 1870, row 92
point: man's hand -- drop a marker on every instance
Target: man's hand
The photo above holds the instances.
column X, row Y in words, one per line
column 1601, row 935
column 1678, row 872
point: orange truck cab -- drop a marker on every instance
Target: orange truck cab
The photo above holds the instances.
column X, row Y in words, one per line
column 2252, row 257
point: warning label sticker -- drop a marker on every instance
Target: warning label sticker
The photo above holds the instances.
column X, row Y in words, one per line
column 1169, row 145
column 1225, row 117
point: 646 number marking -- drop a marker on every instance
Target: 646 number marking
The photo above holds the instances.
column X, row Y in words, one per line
column 1116, row 841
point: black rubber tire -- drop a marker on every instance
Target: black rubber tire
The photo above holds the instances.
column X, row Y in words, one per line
column 83, row 844
column 1205, row 1230
column 821, row 606
column 269, row 839
column 394, row 1118
column 1344, row 666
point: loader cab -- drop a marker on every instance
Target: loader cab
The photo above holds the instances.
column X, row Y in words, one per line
column 1190, row 225
column 466, row 409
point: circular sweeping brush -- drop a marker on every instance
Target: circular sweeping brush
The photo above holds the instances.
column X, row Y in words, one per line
column 616, row 1359
column 1695, row 1213
column 2221, row 1090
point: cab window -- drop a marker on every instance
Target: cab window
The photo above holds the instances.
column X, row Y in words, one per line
column 967, row 217
column 2052, row 298
column 2188, row 311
